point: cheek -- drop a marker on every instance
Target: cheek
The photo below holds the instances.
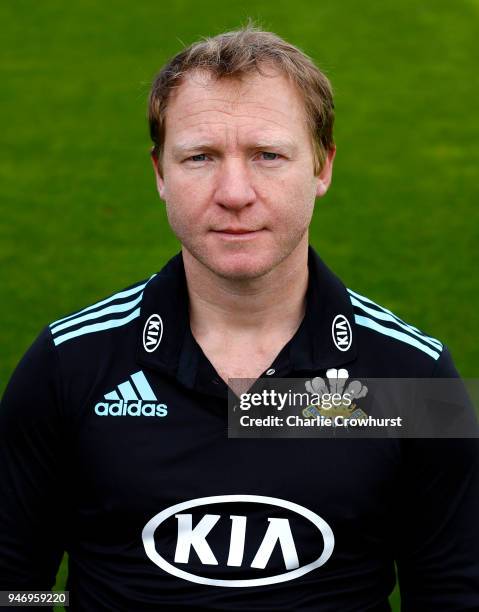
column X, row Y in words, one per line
column 294, row 201
column 184, row 203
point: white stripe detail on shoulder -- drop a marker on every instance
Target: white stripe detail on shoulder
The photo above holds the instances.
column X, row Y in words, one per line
column 362, row 298
column 116, row 296
column 387, row 331
column 88, row 329
column 384, row 316
column 98, row 314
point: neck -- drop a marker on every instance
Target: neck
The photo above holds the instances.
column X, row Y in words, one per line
column 275, row 301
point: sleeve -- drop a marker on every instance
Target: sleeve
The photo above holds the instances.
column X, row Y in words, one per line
column 32, row 449
column 438, row 520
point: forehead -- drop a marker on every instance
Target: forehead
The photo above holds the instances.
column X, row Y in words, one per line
column 267, row 103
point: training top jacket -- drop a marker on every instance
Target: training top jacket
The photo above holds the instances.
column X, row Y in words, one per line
column 114, row 447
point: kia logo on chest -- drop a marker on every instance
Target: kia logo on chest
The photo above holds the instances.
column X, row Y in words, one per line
column 342, row 334
column 234, row 537
column 152, row 333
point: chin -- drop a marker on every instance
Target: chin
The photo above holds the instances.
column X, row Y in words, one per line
column 240, row 262
column 241, row 270
column 240, row 266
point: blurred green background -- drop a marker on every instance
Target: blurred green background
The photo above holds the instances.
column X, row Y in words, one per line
column 80, row 217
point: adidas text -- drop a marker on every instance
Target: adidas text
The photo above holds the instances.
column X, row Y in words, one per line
column 131, row 408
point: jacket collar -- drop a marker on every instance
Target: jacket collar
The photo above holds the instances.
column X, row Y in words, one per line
column 326, row 337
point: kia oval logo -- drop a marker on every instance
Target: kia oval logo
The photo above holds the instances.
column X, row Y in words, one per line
column 152, row 333
column 276, row 530
column 342, row 334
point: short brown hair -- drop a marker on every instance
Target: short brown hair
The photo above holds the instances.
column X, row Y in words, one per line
column 238, row 53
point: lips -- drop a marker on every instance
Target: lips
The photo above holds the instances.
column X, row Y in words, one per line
column 238, row 235
column 237, row 231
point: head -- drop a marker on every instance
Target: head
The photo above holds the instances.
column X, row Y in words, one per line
column 242, row 131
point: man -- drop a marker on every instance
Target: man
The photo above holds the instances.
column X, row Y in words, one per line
column 114, row 425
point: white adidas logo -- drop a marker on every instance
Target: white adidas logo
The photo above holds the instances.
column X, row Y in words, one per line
column 136, row 398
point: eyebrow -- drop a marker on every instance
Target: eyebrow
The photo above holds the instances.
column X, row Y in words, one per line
column 185, row 147
column 265, row 145
column 275, row 144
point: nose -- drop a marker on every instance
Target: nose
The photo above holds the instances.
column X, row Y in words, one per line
column 234, row 189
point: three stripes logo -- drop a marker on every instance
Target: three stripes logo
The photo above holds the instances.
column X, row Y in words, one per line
column 134, row 397
column 381, row 320
column 115, row 311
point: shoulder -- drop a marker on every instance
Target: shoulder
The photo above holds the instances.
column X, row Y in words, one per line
column 110, row 313
column 399, row 345
column 380, row 320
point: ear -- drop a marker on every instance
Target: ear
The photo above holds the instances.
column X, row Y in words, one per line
column 324, row 177
column 160, row 183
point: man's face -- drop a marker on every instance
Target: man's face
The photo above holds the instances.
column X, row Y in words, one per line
column 238, row 172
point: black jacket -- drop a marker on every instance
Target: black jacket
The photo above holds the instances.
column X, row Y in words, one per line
column 114, row 447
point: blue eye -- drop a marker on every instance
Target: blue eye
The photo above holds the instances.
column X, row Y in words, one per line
column 269, row 156
column 200, row 157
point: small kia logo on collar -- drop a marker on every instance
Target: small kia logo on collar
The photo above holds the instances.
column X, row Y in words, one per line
column 342, row 334
column 152, row 333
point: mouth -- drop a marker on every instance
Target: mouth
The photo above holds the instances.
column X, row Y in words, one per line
column 240, row 232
